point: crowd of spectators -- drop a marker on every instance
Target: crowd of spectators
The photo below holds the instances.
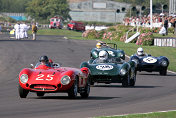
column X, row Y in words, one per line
column 158, row 20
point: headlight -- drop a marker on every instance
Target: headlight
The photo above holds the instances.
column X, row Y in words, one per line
column 65, row 80
column 95, row 54
column 121, row 55
column 164, row 63
column 24, row 78
column 123, row 71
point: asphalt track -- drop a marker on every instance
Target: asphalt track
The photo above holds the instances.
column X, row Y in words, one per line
column 151, row 93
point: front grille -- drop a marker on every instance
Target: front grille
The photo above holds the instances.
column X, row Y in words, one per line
column 43, row 87
column 106, row 79
column 148, row 66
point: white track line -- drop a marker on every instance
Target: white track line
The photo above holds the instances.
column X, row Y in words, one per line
column 65, row 37
column 142, row 113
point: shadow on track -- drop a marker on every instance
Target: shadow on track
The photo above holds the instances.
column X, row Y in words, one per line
column 119, row 86
column 78, row 98
column 155, row 74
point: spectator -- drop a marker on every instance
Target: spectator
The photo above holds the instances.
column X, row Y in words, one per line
column 34, row 31
column 166, row 25
column 0, row 27
column 174, row 24
column 162, row 31
column 26, row 27
column 17, row 31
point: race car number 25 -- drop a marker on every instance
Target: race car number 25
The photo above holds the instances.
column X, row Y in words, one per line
column 48, row 77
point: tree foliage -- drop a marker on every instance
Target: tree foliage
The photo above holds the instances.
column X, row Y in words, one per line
column 17, row 6
column 45, row 9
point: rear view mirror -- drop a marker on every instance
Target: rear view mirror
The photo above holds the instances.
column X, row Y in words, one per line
column 56, row 65
column 32, row 66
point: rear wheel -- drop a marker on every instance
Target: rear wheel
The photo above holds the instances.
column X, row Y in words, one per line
column 85, row 94
column 163, row 72
column 74, row 90
column 22, row 92
column 40, row 94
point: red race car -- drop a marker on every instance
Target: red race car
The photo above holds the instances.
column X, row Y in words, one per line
column 49, row 79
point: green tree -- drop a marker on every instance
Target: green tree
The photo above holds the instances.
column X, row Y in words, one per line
column 45, row 9
column 12, row 6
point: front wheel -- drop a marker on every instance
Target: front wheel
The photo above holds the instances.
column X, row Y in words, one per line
column 86, row 92
column 163, row 72
column 74, row 90
column 133, row 80
column 22, row 92
column 125, row 81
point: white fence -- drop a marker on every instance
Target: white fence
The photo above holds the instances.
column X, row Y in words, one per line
column 148, row 25
column 168, row 42
column 98, row 28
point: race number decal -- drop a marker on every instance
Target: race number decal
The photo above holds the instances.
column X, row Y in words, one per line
column 150, row 60
column 104, row 67
column 41, row 77
column 111, row 53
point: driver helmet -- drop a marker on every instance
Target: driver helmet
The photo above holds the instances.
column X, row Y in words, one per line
column 140, row 51
column 44, row 59
column 103, row 55
column 98, row 45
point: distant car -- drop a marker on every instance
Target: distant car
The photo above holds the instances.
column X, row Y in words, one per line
column 43, row 79
column 75, row 25
column 150, row 63
column 111, row 48
column 56, row 22
column 115, row 71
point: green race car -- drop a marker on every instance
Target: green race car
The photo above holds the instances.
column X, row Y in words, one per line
column 115, row 70
column 111, row 48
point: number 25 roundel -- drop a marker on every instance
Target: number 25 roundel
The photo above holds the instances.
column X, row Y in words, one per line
column 48, row 77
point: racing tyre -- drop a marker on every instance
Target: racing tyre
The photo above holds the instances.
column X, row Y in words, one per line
column 85, row 94
column 125, row 81
column 74, row 90
column 40, row 94
column 133, row 80
column 92, row 83
column 22, row 92
column 163, row 72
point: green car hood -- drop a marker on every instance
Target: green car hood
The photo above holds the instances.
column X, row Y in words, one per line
column 105, row 69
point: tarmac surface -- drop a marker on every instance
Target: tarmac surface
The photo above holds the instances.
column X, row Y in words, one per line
column 151, row 93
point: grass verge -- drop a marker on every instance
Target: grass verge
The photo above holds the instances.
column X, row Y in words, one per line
column 170, row 114
column 129, row 48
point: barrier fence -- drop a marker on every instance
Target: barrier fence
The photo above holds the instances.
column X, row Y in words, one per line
column 167, row 42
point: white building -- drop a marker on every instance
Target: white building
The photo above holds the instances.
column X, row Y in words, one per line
column 98, row 10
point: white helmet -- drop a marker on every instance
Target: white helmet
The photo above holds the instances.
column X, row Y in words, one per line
column 103, row 55
column 140, row 51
